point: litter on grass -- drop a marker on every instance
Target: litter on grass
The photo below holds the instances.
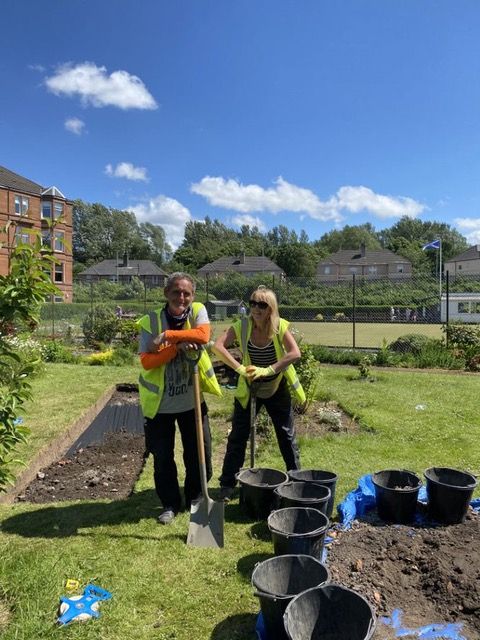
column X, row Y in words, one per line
column 83, row 607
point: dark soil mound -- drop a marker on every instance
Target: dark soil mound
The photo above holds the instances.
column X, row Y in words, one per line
column 431, row 573
column 107, row 470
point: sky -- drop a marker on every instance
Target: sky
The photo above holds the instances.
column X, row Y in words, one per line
column 307, row 113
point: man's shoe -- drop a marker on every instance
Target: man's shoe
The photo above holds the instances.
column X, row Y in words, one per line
column 226, row 493
column 167, row 516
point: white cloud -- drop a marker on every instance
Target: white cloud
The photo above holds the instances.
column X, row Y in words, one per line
column 74, row 125
column 166, row 212
column 96, row 87
column 250, row 221
column 128, row 171
column 36, row 67
column 472, row 227
column 231, row 194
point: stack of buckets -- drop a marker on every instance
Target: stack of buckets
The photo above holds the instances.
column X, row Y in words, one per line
column 297, row 599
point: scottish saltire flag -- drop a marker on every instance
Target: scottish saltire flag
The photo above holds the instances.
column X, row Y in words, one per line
column 432, row 245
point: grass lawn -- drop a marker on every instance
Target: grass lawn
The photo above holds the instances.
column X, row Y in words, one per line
column 340, row 334
column 161, row 588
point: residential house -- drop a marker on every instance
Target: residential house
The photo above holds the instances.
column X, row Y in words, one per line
column 465, row 264
column 29, row 206
column 365, row 263
column 124, row 270
column 245, row 265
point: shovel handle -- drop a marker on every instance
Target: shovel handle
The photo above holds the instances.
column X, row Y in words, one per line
column 199, row 430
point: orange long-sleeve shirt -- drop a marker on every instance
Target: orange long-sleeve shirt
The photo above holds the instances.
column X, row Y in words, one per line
column 168, row 351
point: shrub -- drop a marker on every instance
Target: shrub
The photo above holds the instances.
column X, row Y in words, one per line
column 100, row 359
column 100, row 325
column 462, row 335
column 308, row 374
column 55, row 351
column 26, row 350
column 434, row 354
column 128, row 334
column 409, row 343
column 122, row 357
column 474, row 363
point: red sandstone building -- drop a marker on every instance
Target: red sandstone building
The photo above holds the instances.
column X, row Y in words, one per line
column 30, row 206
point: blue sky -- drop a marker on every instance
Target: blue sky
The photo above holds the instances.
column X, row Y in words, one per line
column 306, row 113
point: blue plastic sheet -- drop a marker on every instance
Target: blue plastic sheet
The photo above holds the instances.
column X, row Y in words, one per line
column 448, row 631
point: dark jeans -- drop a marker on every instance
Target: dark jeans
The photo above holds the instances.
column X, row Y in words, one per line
column 160, row 442
column 279, row 408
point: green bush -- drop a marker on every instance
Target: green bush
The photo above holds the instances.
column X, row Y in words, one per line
column 55, row 351
column 336, row 356
column 409, row 343
column 462, row 336
column 128, row 334
column 308, row 374
column 121, row 357
column 434, row 354
column 100, row 325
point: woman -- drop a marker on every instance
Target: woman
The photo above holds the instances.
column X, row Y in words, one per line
column 166, row 390
column 268, row 351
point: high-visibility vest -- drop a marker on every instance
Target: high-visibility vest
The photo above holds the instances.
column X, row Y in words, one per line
column 243, row 331
column 152, row 381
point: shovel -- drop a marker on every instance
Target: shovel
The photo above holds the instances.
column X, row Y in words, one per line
column 206, row 516
column 253, row 411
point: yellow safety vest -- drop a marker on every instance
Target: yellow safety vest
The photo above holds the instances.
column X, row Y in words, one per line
column 152, row 381
column 243, row 331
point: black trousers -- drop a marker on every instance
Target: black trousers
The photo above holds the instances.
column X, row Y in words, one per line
column 279, row 408
column 160, row 442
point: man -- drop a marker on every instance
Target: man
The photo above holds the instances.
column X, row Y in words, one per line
column 166, row 390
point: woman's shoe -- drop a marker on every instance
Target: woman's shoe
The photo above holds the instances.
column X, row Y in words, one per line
column 167, row 516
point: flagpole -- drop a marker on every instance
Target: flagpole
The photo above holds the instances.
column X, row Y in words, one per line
column 440, row 273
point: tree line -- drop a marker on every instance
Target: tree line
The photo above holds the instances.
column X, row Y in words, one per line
column 101, row 232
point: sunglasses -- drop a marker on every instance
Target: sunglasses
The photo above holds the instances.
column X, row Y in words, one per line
column 258, row 303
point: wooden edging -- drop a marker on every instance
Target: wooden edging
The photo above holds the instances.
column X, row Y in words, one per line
column 55, row 450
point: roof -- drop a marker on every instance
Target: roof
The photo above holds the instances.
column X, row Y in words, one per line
column 240, row 264
column 16, row 182
column 12, row 180
column 225, row 303
column 354, row 256
column 472, row 253
column 116, row 268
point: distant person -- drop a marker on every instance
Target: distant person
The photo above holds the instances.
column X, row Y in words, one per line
column 242, row 309
column 413, row 316
column 268, row 352
column 166, row 391
column 118, row 311
column 407, row 314
column 392, row 314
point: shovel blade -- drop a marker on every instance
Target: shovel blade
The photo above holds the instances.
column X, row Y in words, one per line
column 206, row 524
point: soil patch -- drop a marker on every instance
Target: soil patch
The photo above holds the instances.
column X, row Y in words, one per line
column 431, row 573
column 107, row 470
column 322, row 418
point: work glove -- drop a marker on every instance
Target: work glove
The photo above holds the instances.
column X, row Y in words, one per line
column 261, row 372
column 242, row 371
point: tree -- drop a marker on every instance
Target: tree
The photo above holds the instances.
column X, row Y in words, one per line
column 350, row 237
column 22, row 294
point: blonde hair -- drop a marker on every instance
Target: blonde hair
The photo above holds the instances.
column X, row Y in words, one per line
column 264, row 294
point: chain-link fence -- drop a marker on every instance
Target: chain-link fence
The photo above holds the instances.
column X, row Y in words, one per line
column 354, row 313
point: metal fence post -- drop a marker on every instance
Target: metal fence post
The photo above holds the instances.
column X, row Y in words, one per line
column 353, row 310
column 447, row 303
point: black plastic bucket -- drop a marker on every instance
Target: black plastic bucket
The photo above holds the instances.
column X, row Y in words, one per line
column 298, row 530
column 331, row 612
column 396, row 493
column 278, row 580
column 327, row 478
column 449, row 492
column 256, row 490
column 303, row 494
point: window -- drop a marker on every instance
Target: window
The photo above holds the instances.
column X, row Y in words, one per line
column 353, row 269
column 59, row 244
column 372, row 269
column 475, row 307
column 21, row 205
column 58, row 276
column 58, row 298
column 463, row 307
column 22, row 236
column 459, row 266
column 46, row 238
column 57, row 210
column 400, row 268
column 327, row 270
column 46, row 209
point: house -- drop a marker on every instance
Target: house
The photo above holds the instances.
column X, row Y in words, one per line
column 365, row 263
column 461, row 306
column 124, row 270
column 466, row 263
column 29, row 206
column 245, row 265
